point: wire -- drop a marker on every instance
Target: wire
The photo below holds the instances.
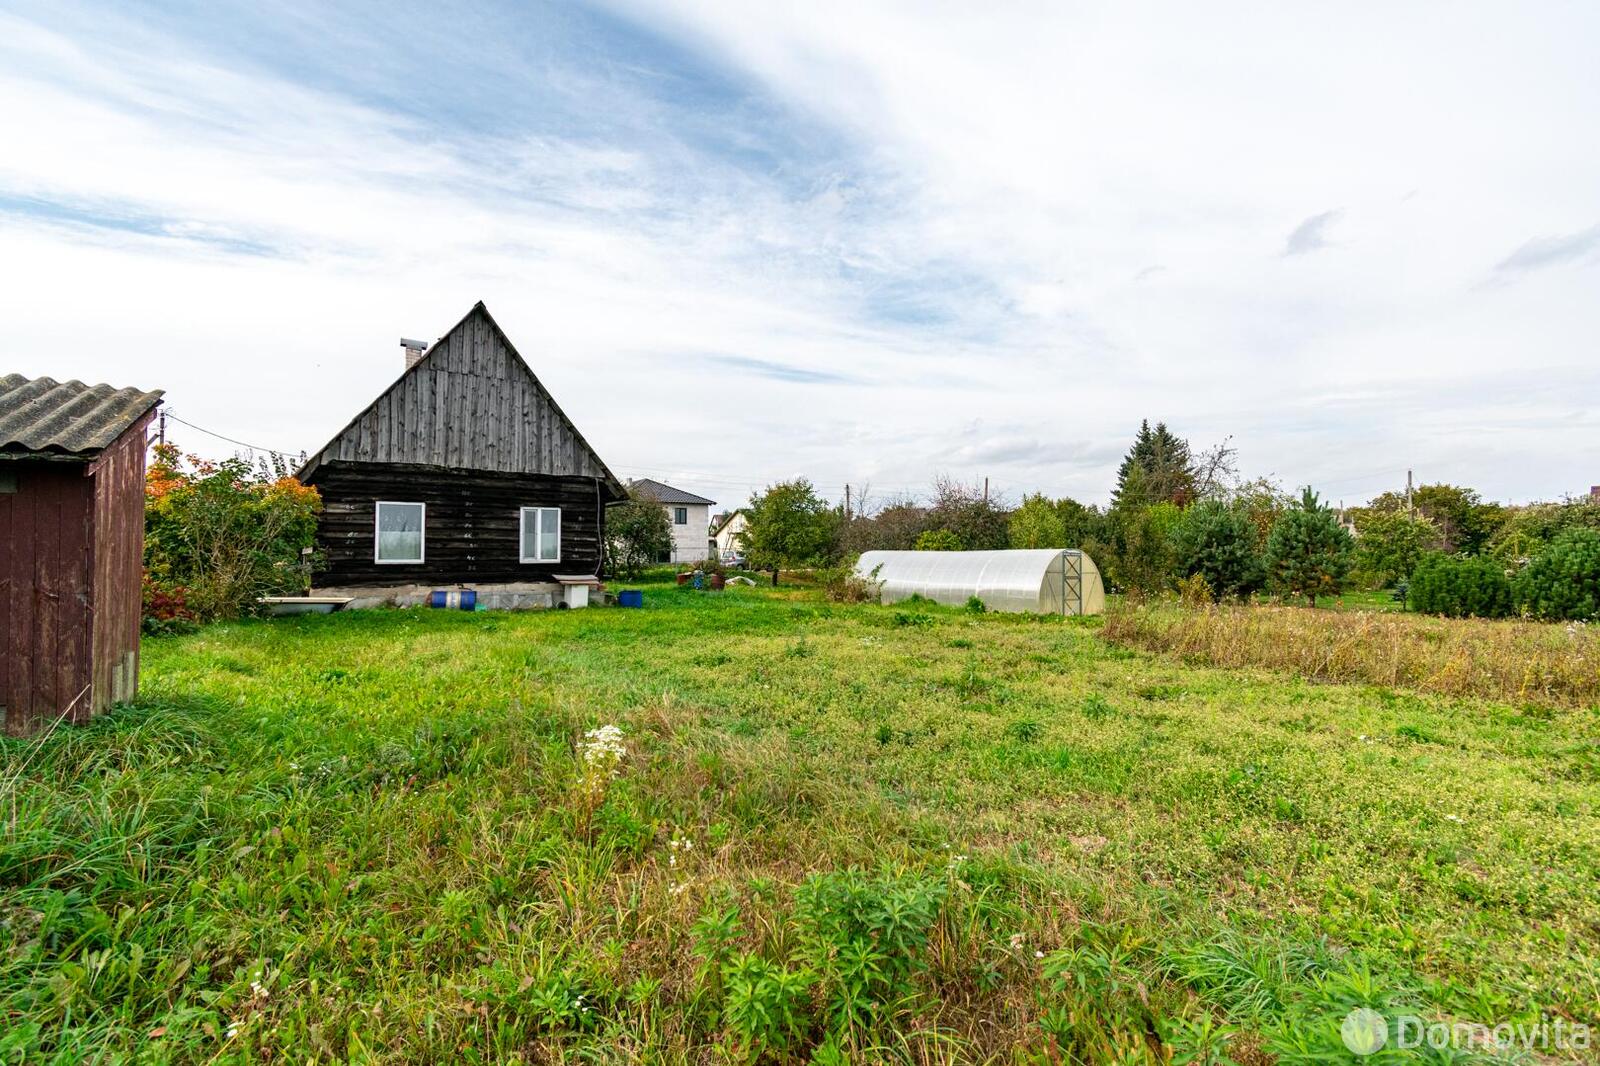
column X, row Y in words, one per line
column 230, row 440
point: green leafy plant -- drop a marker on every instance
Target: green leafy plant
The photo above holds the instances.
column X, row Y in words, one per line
column 864, row 935
column 938, row 540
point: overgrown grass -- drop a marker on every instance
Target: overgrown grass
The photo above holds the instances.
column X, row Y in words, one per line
column 838, row 834
column 1503, row 660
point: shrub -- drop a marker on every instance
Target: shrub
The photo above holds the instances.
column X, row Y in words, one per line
column 1564, row 581
column 1459, row 587
column 637, row 533
column 225, row 532
column 1037, row 524
column 938, row 540
column 1217, row 543
column 842, row 584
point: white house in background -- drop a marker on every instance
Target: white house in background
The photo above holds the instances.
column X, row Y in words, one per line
column 689, row 515
column 727, row 530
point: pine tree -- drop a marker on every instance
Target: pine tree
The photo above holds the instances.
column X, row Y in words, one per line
column 1308, row 551
column 1163, row 459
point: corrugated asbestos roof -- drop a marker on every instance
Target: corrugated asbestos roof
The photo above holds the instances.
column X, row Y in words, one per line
column 655, row 490
column 42, row 415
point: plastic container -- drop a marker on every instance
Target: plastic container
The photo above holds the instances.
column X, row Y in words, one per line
column 630, row 598
column 465, row 600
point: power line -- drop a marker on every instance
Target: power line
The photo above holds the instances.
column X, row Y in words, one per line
column 230, row 440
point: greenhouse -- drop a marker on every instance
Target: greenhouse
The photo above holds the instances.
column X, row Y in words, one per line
column 1045, row 580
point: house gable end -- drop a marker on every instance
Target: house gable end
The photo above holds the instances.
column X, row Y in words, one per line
column 471, row 403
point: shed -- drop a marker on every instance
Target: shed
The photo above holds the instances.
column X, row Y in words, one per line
column 71, row 548
column 1043, row 580
column 463, row 475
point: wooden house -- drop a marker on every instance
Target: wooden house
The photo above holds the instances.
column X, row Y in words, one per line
column 71, row 548
column 464, row 475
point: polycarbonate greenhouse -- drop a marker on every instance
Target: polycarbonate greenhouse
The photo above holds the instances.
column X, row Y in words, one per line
column 1044, row 580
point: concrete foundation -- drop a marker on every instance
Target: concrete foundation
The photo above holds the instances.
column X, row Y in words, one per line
column 515, row 596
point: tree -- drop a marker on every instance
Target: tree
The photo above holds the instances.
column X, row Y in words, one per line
column 937, row 540
column 977, row 521
column 1037, row 524
column 1564, row 581
column 1391, row 543
column 789, row 525
column 1308, row 551
column 1080, row 524
column 637, row 534
column 218, row 536
column 1464, row 522
column 893, row 527
column 1527, row 531
column 1218, row 542
column 1162, row 458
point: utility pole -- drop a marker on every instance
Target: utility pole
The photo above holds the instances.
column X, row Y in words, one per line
column 1411, row 511
column 847, row 503
column 162, row 432
column 985, row 490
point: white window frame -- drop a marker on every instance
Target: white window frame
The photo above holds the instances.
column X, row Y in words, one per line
column 538, row 535
column 377, row 533
column 683, row 511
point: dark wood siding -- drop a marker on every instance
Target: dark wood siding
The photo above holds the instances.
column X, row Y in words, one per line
column 472, row 528
column 45, row 593
column 71, row 567
column 118, row 567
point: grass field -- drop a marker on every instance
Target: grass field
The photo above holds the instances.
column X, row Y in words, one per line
column 834, row 834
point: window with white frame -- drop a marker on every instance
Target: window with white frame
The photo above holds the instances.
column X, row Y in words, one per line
column 541, row 534
column 680, row 516
column 399, row 529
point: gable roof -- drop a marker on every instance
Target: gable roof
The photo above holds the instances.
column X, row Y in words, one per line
column 664, row 493
column 470, row 402
column 68, row 420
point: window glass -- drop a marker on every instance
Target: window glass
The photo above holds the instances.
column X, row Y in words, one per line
column 400, row 532
column 680, row 516
column 550, row 534
column 541, row 534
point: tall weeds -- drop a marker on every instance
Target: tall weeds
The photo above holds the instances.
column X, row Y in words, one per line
column 1512, row 661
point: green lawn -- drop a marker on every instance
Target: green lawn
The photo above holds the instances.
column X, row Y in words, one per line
column 838, row 834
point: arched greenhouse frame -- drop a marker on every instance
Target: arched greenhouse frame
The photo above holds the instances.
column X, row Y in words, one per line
column 1042, row 580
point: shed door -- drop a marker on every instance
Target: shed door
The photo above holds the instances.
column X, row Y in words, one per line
column 45, row 591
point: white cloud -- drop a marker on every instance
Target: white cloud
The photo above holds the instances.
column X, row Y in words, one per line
column 1047, row 226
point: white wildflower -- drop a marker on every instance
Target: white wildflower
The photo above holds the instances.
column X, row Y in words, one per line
column 1453, row 818
column 602, row 749
column 1038, row 954
column 1017, row 940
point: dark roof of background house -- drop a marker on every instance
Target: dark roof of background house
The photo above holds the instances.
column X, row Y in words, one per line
column 42, row 416
column 661, row 493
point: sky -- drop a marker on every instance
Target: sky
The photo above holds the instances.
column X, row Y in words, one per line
column 868, row 243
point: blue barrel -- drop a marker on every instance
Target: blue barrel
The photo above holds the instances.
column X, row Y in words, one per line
column 465, row 600
column 630, row 598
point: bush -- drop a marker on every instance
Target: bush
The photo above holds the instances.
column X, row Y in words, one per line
column 842, row 584
column 637, row 534
column 1459, row 587
column 226, row 533
column 1564, row 581
column 938, row 540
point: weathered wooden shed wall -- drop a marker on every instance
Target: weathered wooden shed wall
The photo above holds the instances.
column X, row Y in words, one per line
column 71, row 567
column 46, row 592
column 118, row 545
